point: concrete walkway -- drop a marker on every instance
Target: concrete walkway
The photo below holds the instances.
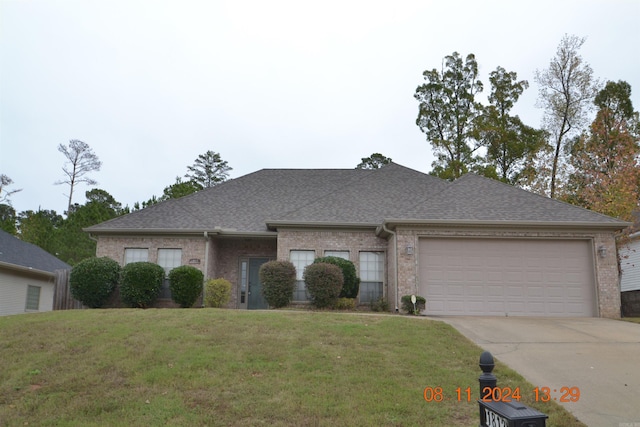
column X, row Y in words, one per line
column 600, row 356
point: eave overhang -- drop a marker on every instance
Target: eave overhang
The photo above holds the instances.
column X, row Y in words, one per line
column 216, row 231
column 548, row 225
column 23, row 269
column 274, row 225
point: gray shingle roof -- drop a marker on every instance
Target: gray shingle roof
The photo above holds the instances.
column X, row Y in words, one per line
column 15, row 251
column 476, row 198
column 346, row 196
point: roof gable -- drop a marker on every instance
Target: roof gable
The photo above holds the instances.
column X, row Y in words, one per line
column 17, row 252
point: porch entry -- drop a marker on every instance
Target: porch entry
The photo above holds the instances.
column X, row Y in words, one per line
column 251, row 268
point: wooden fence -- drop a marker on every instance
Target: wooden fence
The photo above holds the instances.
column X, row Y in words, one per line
column 62, row 299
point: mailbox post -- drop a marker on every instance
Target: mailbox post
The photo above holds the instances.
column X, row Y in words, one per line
column 510, row 413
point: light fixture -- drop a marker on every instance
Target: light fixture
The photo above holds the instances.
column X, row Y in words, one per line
column 409, row 250
column 602, row 251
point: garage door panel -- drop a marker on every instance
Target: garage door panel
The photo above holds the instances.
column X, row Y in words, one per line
column 507, row 277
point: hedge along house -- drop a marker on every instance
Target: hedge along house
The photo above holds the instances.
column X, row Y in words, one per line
column 474, row 246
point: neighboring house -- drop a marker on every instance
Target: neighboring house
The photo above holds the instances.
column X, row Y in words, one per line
column 27, row 279
column 474, row 246
column 630, row 278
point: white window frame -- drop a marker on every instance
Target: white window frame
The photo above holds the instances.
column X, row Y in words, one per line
column 169, row 258
column 136, row 255
column 32, row 302
column 300, row 259
column 371, row 275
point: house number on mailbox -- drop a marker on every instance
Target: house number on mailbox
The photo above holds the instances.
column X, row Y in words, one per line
column 494, row 420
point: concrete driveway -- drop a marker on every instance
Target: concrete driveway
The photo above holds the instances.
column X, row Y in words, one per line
column 600, row 356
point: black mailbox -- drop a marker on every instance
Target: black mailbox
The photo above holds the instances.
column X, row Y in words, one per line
column 495, row 413
column 510, row 414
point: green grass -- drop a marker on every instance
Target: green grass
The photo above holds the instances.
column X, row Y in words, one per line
column 198, row 367
column 631, row 319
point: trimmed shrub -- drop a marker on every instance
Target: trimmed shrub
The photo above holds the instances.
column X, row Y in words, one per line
column 345, row 303
column 93, row 280
column 141, row 283
column 324, row 283
column 407, row 305
column 382, row 305
column 185, row 283
column 351, row 279
column 217, row 292
column 278, row 280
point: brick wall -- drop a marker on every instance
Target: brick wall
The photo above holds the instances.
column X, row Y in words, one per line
column 332, row 240
column 225, row 255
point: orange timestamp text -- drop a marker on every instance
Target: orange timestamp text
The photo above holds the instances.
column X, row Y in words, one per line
column 502, row 394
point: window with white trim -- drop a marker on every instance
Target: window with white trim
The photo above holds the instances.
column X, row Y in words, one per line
column 33, row 298
column 338, row 254
column 135, row 255
column 371, row 276
column 301, row 259
column 169, row 259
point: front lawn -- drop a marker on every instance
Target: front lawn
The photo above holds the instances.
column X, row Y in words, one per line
column 128, row 367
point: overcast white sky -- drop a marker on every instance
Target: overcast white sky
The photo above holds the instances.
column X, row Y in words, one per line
column 150, row 85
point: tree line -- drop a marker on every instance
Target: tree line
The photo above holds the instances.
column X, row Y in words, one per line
column 593, row 165
column 63, row 236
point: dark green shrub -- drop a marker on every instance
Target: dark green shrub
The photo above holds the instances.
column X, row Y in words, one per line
column 351, row 279
column 407, row 305
column 382, row 305
column 345, row 303
column 93, row 280
column 217, row 292
column 278, row 280
column 141, row 283
column 324, row 283
column 185, row 283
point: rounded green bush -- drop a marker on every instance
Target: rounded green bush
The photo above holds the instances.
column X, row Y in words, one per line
column 141, row 283
column 217, row 292
column 93, row 280
column 278, row 280
column 351, row 279
column 185, row 283
column 324, row 283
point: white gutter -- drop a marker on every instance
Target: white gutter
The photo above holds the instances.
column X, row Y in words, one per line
column 395, row 246
column 206, row 266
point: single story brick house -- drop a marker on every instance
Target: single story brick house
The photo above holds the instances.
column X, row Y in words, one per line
column 27, row 276
column 474, row 246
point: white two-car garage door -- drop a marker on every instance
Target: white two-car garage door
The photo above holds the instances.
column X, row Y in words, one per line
column 513, row 277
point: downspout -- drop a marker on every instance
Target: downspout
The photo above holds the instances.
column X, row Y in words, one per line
column 395, row 248
column 206, row 266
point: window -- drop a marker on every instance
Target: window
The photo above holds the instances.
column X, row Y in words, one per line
column 338, row 254
column 33, row 298
column 371, row 276
column 168, row 259
column 244, row 280
column 300, row 259
column 135, row 255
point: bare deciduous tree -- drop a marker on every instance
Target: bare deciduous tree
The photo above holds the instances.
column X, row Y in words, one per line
column 566, row 93
column 5, row 181
column 80, row 161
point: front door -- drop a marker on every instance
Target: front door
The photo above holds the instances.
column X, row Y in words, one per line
column 256, row 299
